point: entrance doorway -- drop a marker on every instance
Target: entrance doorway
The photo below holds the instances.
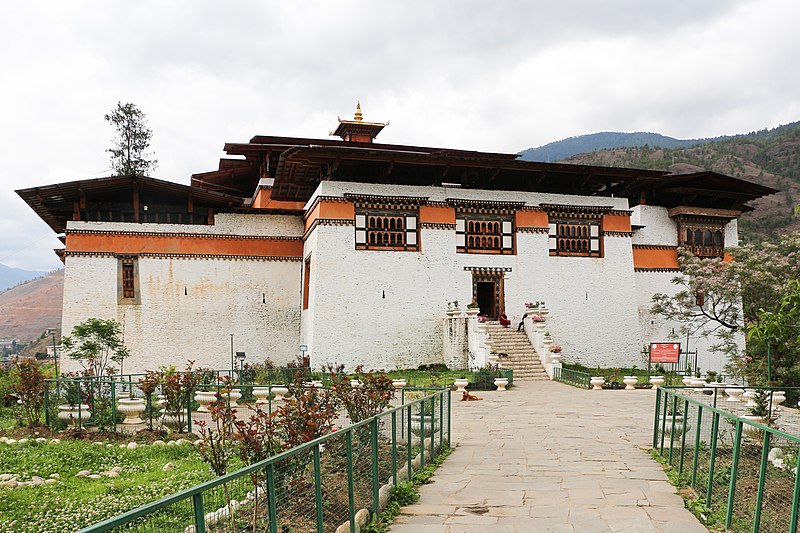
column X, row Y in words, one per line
column 485, row 295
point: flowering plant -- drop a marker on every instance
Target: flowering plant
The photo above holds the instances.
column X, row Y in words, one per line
column 482, row 318
column 555, row 349
column 537, row 318
column 532, row 305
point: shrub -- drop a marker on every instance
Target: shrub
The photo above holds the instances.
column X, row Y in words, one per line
column 30, row 390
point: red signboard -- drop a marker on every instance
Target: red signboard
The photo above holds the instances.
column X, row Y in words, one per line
column 665, row 352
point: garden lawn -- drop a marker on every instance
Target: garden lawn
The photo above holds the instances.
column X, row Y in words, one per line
column 75, row 502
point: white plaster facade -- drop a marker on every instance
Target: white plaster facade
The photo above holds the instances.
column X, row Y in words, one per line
column 190, row 306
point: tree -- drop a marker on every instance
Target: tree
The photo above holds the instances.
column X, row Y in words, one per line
column 129, row 156
column 96, row 343
column 737, row 297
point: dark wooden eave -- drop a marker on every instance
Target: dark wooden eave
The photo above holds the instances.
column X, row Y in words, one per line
column 55, row 204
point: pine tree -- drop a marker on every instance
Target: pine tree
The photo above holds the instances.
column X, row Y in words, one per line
column 129, row 154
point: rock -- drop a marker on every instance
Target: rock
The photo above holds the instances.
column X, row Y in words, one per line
column 159, row 443
column 123, row 446
column 362, row 517
column 94, row 476
column 55, row 441
column 198, row 442
column 10, row 484
column 132, row 446
column 82, row 473
column 50, row 481
column 22, row 441
column 3, row 439
column 6, row 477
column 117, row 469
column 190, row 529
column 111, row 473
column 109, row 445
column 36, row 480
column 171, row 443
column 98, row 443
column 55, row 476
column 41, row 440
column 775, row 453
column 181, row 441
column 11, row 441
column 168, row 466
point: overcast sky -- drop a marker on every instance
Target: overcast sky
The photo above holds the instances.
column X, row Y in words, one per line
column 487, row 75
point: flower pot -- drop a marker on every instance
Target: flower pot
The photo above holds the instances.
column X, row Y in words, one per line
column 173, row 421
column 597, row 382
column 699, row 384
column 501, row 383
column 749, row 395
column 231, row 396
column 279, row 391
column 678, row 425
column 629, row 382
column 656, row 381
column 461, row 384
column 734, row 394
column 544, row 312
column 261, row 394
column 131, row 408
column 687, row 381
column 473, row 312
column 555, row 358
column 454, row 313
column 430, row 425
column 778, row 397
column 538, row 327
column 356, row 384
column 547, row 342
column 398, row 383
column 751, row 431
column 204, row 398
column 72, row 414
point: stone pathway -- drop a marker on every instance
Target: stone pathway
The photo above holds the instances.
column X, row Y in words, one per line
column 550, row 457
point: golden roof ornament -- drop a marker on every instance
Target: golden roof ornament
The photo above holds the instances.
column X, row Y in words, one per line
column 358, row 116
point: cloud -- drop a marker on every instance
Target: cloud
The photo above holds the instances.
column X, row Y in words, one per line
column 498, row 76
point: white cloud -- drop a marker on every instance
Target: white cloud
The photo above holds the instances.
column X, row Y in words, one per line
column 498, row 76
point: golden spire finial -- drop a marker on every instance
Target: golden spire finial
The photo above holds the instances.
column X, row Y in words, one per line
column 358, row 117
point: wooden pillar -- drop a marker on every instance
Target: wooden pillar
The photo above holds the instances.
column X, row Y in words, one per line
column 135, row 201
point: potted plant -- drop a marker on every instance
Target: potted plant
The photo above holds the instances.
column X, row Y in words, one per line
column 461, row 384
column 473, row 309
column 75, row 411
column 131, row 408
column 614, row 384
column 630, row 382
column 758, row 413
column 597, row 382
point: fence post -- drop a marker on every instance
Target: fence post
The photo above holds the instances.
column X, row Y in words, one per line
column 672, row 427
column 189, row 412
column 663, row 425
column 272, row 505
column 376, row 482
column 348, row 438
column 408, row 440
column 433, row 428
column 441, row 418
column 199, row 513
column 734, row 472
column 683, row 433
column 713, row 458
column 697, row 443
column 46, row 404
column 394, row 448
column 422, row 434
column 449, row 416
column 762, row 477
column 318, row 490
column 795, row 496
column 113, row 404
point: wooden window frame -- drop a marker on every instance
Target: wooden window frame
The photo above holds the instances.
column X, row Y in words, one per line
column 575, row 237
column 128, row 291
column 388, row 230
column 306, row 281
column 499, row 234
column 703, row 237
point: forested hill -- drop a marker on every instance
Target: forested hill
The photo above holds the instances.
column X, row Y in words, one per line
column 560, row 150
column 768, row 157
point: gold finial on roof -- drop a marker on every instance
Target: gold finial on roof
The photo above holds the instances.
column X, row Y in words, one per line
column 358, row 117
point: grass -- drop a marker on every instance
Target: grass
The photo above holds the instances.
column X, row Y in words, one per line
column 610, row 373
column 75, row 502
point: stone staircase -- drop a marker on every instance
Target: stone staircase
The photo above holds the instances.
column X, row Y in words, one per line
column 522, row 358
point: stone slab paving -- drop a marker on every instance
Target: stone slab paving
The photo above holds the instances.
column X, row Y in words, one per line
column 549, row 457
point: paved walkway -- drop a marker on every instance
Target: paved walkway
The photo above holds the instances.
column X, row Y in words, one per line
column 549, row 457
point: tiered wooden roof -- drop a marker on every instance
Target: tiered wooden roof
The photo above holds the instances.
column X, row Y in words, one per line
column 298, row 165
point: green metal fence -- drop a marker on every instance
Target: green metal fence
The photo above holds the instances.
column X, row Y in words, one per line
column 340, row 478
column 572, row 377
column 745, row 472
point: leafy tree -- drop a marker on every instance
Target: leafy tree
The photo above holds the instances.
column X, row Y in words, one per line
column 30, row 389
column 129, row 155
column 96, row 343
column 737, row 297
column 777, row 333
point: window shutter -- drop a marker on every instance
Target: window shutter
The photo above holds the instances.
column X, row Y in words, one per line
column 594, row 237
column 461, row 238
column 361, row 229
column 508, row 241
column 552, row 233
column 411, row 231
